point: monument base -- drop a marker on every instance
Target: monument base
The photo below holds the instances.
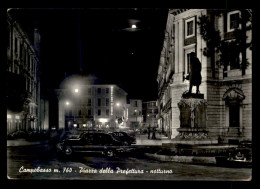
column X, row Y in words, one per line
column 193, row 128
column 195, row 141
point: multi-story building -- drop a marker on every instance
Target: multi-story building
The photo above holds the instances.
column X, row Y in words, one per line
column 134, row 110
column 227, row 87
column 84, row 105
column 150, row 112
column 23, row 82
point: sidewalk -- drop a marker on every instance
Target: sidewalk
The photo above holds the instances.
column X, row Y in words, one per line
column 143, row 140
column 183, row 159
column 23, row 142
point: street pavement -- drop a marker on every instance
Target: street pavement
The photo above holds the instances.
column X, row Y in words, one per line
column 141, row 140
column 24, row 161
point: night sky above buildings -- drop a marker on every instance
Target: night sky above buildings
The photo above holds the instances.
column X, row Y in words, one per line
column 100, row 42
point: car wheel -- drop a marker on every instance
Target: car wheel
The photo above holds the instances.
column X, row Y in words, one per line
column 68, row 151
column 110, row 153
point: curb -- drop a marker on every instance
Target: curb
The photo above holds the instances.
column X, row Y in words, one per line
column 183, row 159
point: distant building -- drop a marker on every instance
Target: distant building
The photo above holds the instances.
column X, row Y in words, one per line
column 227, row 88
column 150, row 112
column 23, row 81
column 135, row 117
column 84, row 105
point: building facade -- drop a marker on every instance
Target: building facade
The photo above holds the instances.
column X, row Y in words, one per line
column 227, row 87
column 150, row 112
column 88, row 106
column 23, row 80
column 135, row 117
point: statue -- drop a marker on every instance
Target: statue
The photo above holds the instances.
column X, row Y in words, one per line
column 194, row 75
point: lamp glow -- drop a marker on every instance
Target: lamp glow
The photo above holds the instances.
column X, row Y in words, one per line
column 133, row 26
column 103, row 120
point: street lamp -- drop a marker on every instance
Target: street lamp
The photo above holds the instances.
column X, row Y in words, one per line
column 135, row 118
column 76, row 90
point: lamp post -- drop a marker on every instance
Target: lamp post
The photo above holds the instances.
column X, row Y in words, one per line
column 135, row 120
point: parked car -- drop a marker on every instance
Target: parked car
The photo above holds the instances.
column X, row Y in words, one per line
column 240, row 156
column 125, row 138
column 91, row 142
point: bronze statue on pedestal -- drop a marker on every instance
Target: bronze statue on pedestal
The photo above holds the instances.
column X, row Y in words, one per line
column 194, row 75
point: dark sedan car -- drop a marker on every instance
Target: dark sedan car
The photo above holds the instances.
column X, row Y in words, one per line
column 124, row 138
column 91, row 142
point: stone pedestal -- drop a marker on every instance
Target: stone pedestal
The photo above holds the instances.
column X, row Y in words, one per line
column 193, row 109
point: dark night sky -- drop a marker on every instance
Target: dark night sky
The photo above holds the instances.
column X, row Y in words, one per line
column 106, row 45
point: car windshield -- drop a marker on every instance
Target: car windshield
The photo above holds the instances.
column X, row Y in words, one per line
column 119, row 134
column 245, row 144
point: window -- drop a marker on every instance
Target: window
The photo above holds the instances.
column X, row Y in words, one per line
column 79, row 112
column 89, row 112
column 21, row 51
column 233, row 98
column 89, row 102
column 107, row 101
column 107, row 90
column 107, row 112
column 234, row 115
column 233, row 20
column 99, row 112
column 15, row 45
column 190, row 27
column 99, row 90
column 187, row 60
column 99, row 102
column 89, row 91
column 136, row 104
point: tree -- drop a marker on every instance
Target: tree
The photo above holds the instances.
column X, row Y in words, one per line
column 229, row 50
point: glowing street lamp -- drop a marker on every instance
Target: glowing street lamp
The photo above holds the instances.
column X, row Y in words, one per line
column 133, row 26
column 76, row 90
column 117, row 104
column 67, row 103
